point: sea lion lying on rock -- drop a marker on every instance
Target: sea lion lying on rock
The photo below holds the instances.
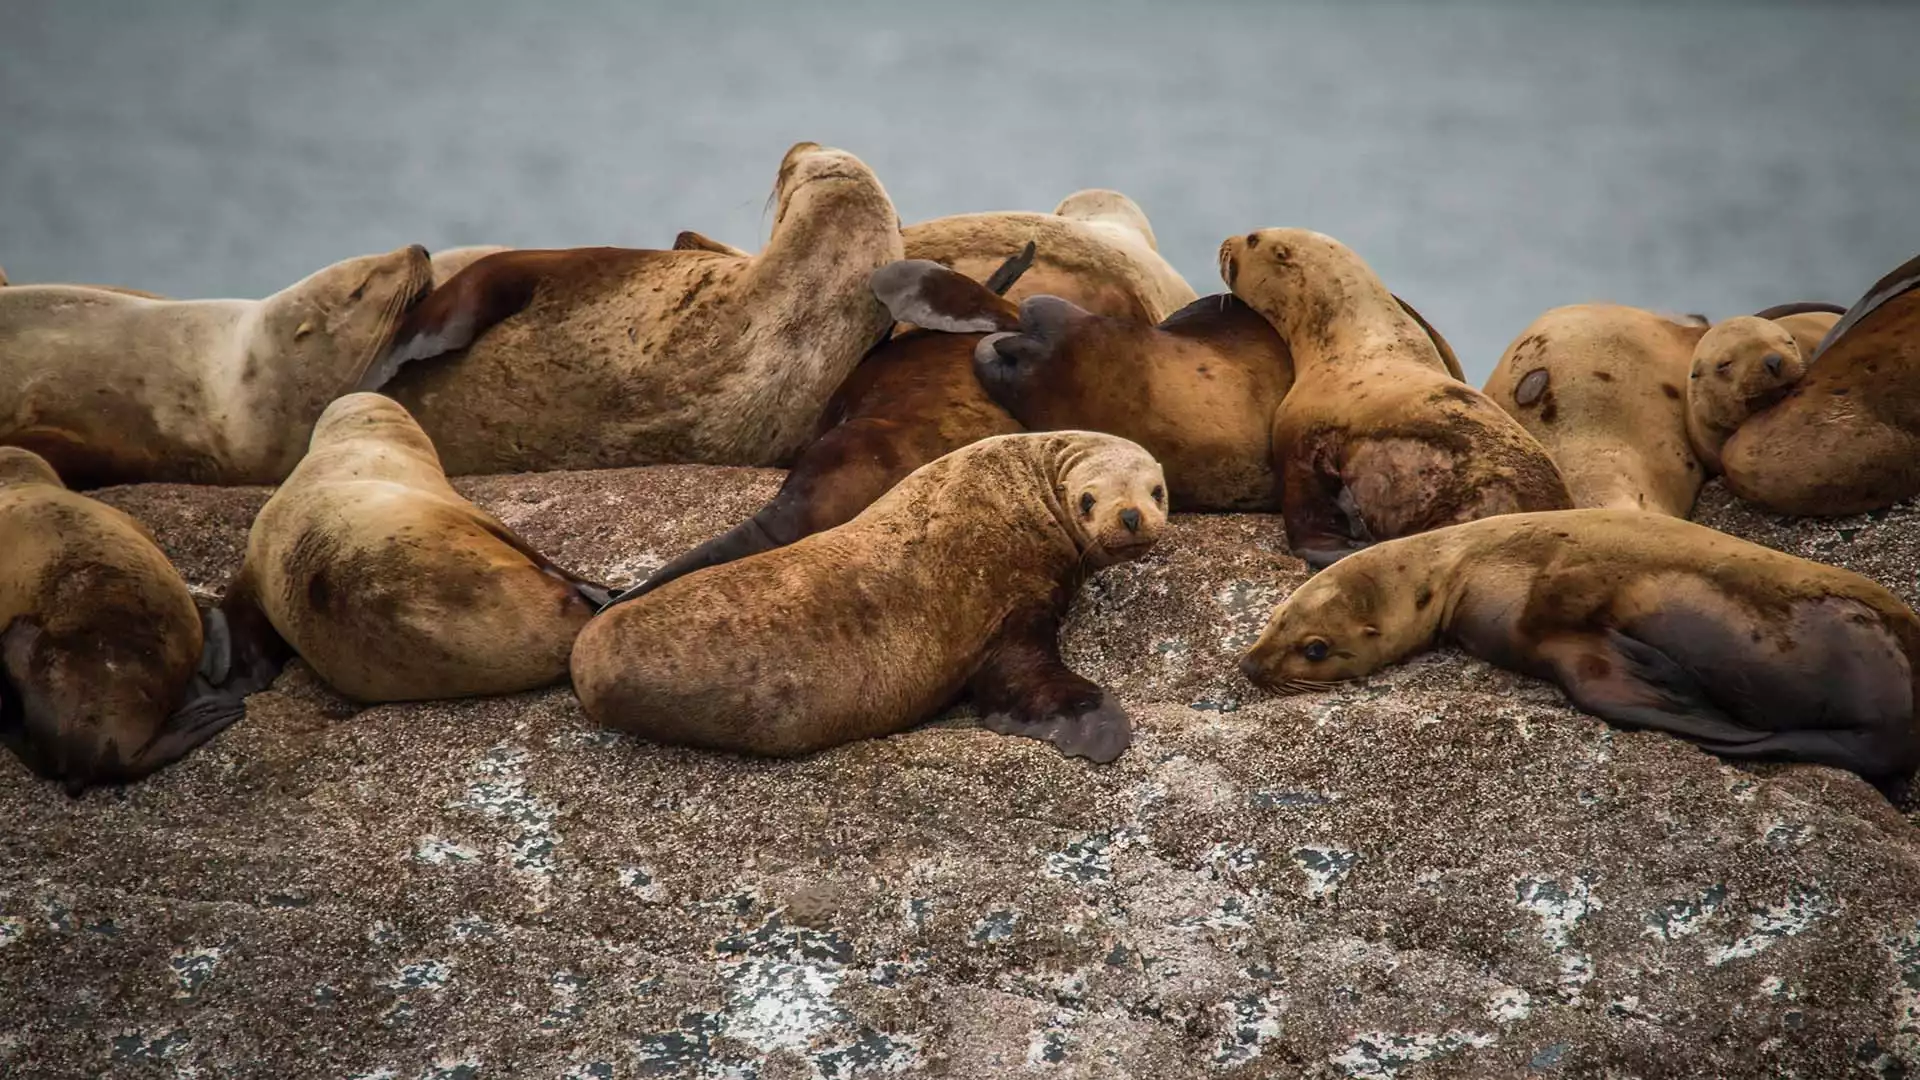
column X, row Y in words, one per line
column 1644, row 620
column 1745, row 364
column 392, row 586
column 105, row 659
column 956, row 580
column 1376, row 439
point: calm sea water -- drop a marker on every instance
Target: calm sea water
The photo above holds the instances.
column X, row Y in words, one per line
column 1491, row 160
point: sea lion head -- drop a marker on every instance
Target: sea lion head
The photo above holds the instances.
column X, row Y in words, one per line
column 367, row 415
column 1339, row 625
column 809, row 167
column 19, row 466
column 1301, row 280
column 1740, row 366
column 1107, row 206
column 1113, row 496
column 329, row 326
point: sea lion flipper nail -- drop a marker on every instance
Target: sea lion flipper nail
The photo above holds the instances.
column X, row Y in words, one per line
column 932, row 296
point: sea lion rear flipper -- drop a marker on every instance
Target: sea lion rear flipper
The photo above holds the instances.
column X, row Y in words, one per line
column 934, row 297
column 243, row 652
column 1630, row 683
column 485, row 292
column 1023, row 688
column 1903, row 279
column 28, row 723
column 200, row 719
column 1009, row 272
column 1800, row 307
column 688, row 240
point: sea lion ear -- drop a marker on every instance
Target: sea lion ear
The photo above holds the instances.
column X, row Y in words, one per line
column 688, row 240
column 934, row 297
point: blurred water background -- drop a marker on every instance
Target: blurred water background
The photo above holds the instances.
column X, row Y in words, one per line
column 1490, row 159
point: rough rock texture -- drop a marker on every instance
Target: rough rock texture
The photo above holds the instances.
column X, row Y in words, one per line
column 1442, row 871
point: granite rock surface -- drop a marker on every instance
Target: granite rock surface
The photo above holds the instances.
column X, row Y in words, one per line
column 1442, row 871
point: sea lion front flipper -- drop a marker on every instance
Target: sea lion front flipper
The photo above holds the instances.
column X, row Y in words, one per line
column 199, row 720
column 28, row 722
column 1023, row 688
column 934, row 297
column 593, row 592
column 688, row 240
column 485, row 292
column 1009, row 272
column 1630, row 683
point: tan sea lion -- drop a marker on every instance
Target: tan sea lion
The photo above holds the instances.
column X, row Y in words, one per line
column 451, row 261
column 1600, row 387
column 1645, row 620
column 1102, row 257
column 955, row 580
column 688, row 240
column 1376, row 439
column 1746, row 364
column 1846, row 438
column 392, row 586
column 911, row 400
column 594, row 357
column 101, row 645
column 115, row 389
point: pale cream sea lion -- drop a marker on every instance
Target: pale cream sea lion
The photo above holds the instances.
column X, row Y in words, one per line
column 114, row 389
column 1746, row 364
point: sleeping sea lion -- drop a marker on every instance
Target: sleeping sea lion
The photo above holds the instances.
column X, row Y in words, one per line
column 956, row 580
column 1746, row 364
column 113, row 388
column 1846, row 438
column 1645, row 620
column 594, row 357
column 1600, row 387
column 1376, row 439
column 393, row 587
column 105, row 661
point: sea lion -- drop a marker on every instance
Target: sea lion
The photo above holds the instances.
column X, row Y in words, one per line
column 117, row 389
column 955, row 580
column 1095, row 249
column 911, row 400
column 1645, row 620
column 1600, row 387
column 1746, row 364
column 688, row 240
column 451, row 261
column 1376, row 439
column 1846, row 438
column 1199, row 390
column 592, row 357
column 102, row 648
column 393, row 587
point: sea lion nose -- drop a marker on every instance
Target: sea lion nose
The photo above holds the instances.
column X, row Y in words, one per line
column 1250, row 668
column 1773, row 360
column 1131, row 519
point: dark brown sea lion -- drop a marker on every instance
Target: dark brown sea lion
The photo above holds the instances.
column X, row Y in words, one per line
column 1644, row 620
column 1846, row 438
column 105, row 659
column 393, row 587
column 954, row 581
column 1601, row 386
column 594, row 357
column 113, row 388
column 1376, row 439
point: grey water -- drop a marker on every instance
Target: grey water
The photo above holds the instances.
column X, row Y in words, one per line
column 1490, row 159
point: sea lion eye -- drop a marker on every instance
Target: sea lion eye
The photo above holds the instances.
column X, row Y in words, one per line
column 1086, row 503
column 1315, row 649
column 1159, row 493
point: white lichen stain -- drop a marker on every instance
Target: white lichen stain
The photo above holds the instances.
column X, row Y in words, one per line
column 1252, row 1022
column 193, row 967
column 1560, row 910
column 434, row 851
column 641, row 880
column 1905, row 950
column 1380, row 1055
column 1805, row 906
column 1325, row 868
column 502, row 795
column 419, row 975
column 12, row 929
column 1509, row 1005
column 776, row 1005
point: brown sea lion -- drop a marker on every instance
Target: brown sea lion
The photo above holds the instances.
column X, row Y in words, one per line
column 393, row 587
column 688, row 240
column 1600, row 386
column 451, row 261
column 102, row 648
column 1846, row 438
column 1376, row 439
column 1095, row 249
column 955, row 580
column 114, row 389
column 1746, row 364
column 1646, row 621
column 911, row 400
column 594, row 357
column 1199, row 390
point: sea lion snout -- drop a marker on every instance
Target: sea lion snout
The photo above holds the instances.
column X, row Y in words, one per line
column 1773, row 360
column 1130, row 517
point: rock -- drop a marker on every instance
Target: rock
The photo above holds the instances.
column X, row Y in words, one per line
column 1441, row 871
